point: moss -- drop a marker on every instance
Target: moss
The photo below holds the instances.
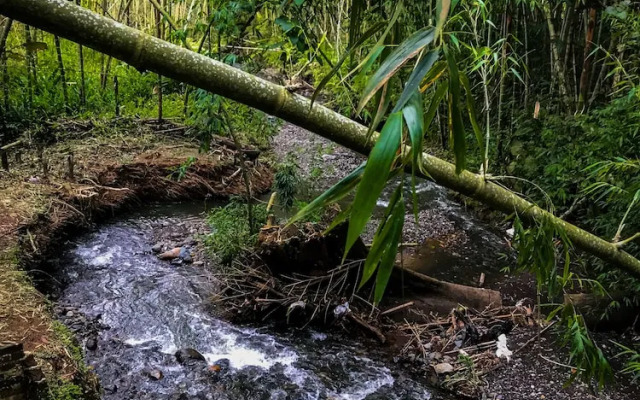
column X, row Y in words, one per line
column 67, row 391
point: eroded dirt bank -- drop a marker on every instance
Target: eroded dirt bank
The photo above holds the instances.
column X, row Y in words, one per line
column 44, row 200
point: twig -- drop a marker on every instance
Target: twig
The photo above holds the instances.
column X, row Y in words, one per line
column 537, row 335
column 397, row 308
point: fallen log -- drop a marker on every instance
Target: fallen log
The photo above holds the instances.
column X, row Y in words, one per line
column 68, row 20
column 478, row 298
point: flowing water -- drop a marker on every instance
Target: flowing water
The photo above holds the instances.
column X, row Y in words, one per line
column 144, row 310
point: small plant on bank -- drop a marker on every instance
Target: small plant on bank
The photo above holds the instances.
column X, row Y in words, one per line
column 178, row 173
column 230, row 230
column 287, row 180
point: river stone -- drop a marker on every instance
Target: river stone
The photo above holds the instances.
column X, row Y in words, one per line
column 157, row 248
column 91, row 344
column 443, row 368
column 155, row 374
column 188, row 354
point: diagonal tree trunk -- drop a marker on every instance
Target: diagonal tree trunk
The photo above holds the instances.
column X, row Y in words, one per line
column 148, row 53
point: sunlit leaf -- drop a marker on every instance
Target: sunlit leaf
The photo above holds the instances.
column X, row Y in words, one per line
column 374, row 177
column 416, row 77
column 464, row 79
column 457, row 126
column 405, row 51
column 442, row 11
column 333, row 194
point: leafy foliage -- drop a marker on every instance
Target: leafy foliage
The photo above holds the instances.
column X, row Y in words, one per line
column 231, row 235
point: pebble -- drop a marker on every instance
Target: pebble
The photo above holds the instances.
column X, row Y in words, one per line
column 155, row 374
column 91, row 344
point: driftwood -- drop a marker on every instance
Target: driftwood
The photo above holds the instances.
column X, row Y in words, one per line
column 597, row 312
column 477, row 298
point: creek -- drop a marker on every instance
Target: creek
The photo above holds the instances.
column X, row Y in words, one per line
column 133, row 312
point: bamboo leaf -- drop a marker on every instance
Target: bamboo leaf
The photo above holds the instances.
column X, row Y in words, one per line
column 405, row 51
column 413, row 116
column 442, row 11
column 416, row 77
column 374, row 177
column 333, row 194
column 457, row 126
column 464, row 79
column 389, row 257
column 380, row 240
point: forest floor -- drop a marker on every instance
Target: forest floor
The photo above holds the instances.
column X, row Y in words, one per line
column 467, row 245
column 116, row 164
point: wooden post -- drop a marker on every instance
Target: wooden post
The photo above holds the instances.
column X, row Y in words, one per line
column 5, row 160
column 70, row 164
column 116, row 95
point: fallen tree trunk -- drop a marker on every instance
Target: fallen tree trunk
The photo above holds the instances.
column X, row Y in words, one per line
column 473, row 297
column 145, row 52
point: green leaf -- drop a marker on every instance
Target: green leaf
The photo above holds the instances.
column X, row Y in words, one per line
column 389, row 257
column 464, row 79
column 370, row 32
column 442, row 11
column 457, row 126
column 355, row 20
column 412, row 113
column 416, row 77
column 413, row 117
column 333, row 194
column 374, row 177
column 403, row 53
column 380, row 239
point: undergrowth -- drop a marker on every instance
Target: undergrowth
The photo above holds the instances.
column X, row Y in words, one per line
column 231, row 235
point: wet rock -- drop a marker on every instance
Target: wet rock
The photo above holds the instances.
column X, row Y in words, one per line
column 155, row 374
column 69, row 314
column 157, row 248
column 91, row 344
column 170, row 254
column 443, row 368
column 222, row 365
column 186, row 355
column 185, row 255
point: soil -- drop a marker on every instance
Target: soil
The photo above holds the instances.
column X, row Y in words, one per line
column 124, row 163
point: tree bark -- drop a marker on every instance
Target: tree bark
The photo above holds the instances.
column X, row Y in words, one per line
column 63, row 78
column 4, row 34
column 148, row 53
column 586, row 63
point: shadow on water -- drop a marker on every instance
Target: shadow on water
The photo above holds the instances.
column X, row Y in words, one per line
column 144, row 310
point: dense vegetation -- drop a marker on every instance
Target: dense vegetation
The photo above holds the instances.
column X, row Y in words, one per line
column 540, row 96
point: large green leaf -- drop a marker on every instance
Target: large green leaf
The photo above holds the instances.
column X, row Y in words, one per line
column 416, row 77
column 333, row 194
column 403, row 53
column 413, row 117
column 464, row 79
column 380, row 239
column 374, row 177
column 455, row 116
column 389, row 257
column 442, row 11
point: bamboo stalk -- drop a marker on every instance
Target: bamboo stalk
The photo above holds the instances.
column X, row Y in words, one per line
column 148, row 53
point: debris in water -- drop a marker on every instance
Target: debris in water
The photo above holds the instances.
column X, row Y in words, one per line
column 502, row 348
